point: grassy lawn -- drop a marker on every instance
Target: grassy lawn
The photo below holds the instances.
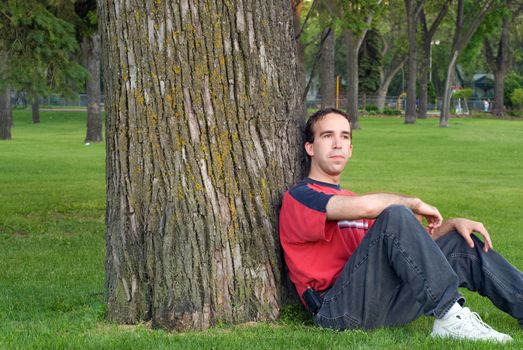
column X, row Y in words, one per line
column 52, row 249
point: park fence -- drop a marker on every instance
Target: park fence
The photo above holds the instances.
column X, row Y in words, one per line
column 457, row 106
column 20, row 100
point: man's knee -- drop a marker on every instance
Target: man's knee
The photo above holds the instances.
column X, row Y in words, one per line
column 400, row 217
column 397, row 210
column 454, row 242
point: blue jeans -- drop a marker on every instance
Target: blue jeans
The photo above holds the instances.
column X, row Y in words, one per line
column 398, row 273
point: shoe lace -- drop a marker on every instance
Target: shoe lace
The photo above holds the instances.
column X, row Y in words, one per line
column 476, row 318
column 475, row 321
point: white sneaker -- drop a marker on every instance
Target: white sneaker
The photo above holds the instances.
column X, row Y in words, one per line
column 467, row 325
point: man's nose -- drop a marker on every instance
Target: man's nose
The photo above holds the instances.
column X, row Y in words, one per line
column 337, row 142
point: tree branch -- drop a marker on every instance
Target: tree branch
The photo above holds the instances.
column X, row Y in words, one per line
column 306, row 19
column 316, row 60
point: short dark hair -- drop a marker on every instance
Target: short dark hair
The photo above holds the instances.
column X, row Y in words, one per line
column 319, row 115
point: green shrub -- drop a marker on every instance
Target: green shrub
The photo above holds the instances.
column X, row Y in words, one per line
column 371, row 108
column 463, row 93
column 390, row 111
column 513, row 81
column 517, row 98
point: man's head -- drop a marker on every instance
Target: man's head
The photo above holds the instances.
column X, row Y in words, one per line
column 328, row 142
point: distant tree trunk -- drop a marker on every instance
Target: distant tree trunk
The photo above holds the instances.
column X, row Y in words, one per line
column 462, row 36
column 300, row 50
column 447, row 92
column 353, row 46
column 423, row 81
column 5, row 115
column 499, row 64
column 425, row 61
column 385, row 80
column 327, row 74
column 410, row 110
column 35, row 110
column 91, row 54
column 203, row 134
column 498, row 107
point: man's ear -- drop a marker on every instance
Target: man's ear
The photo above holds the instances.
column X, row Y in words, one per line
column 350, row 150
column 308, row 148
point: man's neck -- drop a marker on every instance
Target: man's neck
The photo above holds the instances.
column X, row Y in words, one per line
column 335, row 180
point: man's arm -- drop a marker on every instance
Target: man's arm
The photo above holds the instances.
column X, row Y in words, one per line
column 371, row 205
column 465, row 228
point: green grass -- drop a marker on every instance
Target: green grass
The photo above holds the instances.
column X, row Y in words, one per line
column 52, row 249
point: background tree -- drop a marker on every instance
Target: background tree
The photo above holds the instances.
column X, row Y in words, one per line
column 6, row 117
column 41, row 47
column 369, row 63
column 300, row 31
column 327, row 10
column 87, row 32
column 327, row 72
column 498, row 52
column 358, row 16
column 469, row 15
column 203, row 125
column 438, row 10
column 393, row 49
column 412, row 9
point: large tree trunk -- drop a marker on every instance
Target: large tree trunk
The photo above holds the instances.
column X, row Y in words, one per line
column 35, row 110
column 5, row 115
column 203, row 134
column 327, row 74
column 91, row 55
column 410, row 110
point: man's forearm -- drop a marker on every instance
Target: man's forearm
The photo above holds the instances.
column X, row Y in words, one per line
column 367, row 206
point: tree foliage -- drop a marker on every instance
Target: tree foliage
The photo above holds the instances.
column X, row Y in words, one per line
column 369, row 62
column 40, row 47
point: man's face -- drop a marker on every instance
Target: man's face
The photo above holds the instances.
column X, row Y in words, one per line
column 332, row 146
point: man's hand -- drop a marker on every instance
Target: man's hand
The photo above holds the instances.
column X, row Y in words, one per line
column 430, row 213
column 466, row 227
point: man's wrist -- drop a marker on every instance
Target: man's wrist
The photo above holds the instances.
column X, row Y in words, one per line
column 414, row 203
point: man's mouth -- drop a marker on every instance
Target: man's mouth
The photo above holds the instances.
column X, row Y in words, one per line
column 337, row 156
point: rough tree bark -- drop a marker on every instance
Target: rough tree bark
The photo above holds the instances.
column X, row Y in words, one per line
column 203, row 134
column 35, row 110
column 91, row 55
column 5, row 115
column 327, row 74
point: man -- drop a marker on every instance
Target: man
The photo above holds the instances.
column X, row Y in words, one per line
column 365, row 261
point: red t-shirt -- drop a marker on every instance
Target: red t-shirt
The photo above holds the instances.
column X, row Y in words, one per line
column 315, row 249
